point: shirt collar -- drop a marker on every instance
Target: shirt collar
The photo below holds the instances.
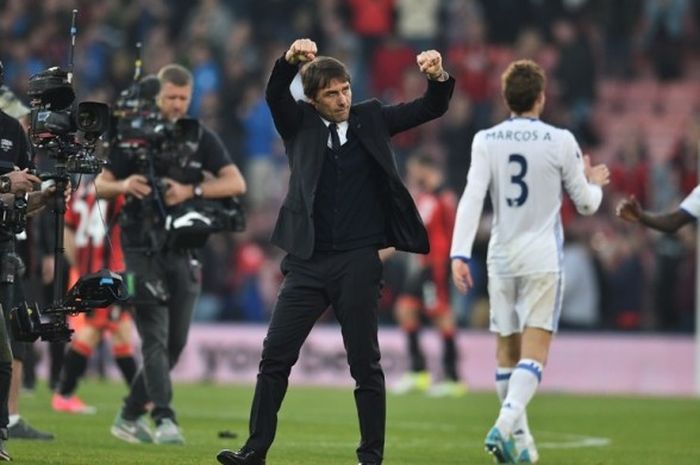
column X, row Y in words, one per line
column 342, row 131
column 342, row 126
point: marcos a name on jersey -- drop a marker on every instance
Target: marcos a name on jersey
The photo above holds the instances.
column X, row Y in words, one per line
column 518, row 136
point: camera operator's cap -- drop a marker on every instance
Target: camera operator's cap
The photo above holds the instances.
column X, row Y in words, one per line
column 11, row 104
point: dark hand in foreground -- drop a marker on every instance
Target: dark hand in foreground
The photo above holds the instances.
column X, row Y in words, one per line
column 629, row 210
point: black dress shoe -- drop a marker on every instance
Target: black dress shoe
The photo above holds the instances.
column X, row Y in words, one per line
column 244, row 456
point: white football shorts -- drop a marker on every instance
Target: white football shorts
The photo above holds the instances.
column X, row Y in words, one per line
column 532, row 300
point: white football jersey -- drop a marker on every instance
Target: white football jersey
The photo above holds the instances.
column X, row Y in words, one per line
column 523, row 163
column 691, row 204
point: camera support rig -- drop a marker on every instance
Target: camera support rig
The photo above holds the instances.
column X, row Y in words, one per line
column 54, row 125
column 94, row 290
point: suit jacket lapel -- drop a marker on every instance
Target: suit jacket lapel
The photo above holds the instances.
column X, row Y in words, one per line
column 316, row 159
column 361, row 130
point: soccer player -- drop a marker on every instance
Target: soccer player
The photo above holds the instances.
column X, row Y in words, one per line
column 522, row 163
column 688, row 211
column 426, row 286
column 88, row 223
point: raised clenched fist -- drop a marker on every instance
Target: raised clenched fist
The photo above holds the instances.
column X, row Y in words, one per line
column 430, row 64
column 301, row 51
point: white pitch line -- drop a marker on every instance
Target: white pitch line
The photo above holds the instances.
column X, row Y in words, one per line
column 573, row 441
column 569, row 440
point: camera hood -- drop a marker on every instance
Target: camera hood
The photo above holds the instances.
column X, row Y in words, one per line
column 51, row 88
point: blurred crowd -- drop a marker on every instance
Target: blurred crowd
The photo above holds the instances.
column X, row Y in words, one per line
column 608, row 62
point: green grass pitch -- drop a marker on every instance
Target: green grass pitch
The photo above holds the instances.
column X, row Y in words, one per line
column 319, row 427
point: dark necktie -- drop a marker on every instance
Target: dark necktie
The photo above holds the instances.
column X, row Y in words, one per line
column 335, row 140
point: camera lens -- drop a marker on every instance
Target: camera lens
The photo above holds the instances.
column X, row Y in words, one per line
column 92, row 117
column 87, row 119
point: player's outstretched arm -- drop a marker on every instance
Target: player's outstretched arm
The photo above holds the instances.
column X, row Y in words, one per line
column 629, row 210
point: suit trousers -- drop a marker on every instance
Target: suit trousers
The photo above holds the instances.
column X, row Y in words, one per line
column 350, row 282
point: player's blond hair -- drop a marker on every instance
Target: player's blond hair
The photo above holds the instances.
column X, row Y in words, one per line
column 522, row 83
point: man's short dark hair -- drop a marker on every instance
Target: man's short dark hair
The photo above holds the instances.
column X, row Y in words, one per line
column 521, row 83
column 175, row 74
column 318, row 73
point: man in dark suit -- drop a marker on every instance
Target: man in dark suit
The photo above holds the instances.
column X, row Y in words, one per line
column 345, row 202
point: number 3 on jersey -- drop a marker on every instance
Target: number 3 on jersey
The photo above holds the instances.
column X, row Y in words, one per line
column 518, row 179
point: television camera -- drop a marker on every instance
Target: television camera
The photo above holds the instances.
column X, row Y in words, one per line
column 55, row 120
column 156, row 145
column 141, row 133
column 68, row 133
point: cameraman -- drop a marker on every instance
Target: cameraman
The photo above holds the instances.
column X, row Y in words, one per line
column 167, row 280
column 16, row 185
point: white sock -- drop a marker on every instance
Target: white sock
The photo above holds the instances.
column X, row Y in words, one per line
column 503, row 374
column 521, row 387
column 521, row 429
column 14, row 419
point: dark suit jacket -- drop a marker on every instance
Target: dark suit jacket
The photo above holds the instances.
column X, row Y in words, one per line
column 305, row 138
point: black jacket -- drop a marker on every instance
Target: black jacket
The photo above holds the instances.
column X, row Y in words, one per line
column 305, row 137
